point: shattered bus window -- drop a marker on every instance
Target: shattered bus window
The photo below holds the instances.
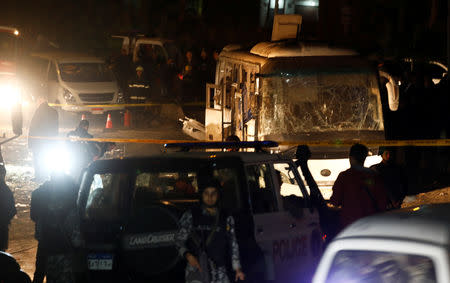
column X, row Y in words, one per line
column 320, row 101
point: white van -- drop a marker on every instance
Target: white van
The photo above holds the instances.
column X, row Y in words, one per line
column 78, row 82
column 407, row 245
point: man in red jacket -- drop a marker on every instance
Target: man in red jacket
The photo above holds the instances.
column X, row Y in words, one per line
column 358, row 190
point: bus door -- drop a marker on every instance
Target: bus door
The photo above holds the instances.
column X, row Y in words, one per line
column 218, row 113
column 249, row 103
column 238, row 115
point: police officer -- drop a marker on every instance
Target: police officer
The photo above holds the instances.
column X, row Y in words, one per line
column 138, row 87
column 138, row 93
column 207, row 238
column 51, row 205
column 43, row 124
column 7, row 209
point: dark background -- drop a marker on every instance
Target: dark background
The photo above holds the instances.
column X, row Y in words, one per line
column 383, row 27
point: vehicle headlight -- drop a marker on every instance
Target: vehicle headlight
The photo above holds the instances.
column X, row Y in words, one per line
column 68, row 96
column 58, row 158
column 10, row 94
column 120, row 98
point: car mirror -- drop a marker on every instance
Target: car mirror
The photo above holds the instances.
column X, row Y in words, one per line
column 392, row 91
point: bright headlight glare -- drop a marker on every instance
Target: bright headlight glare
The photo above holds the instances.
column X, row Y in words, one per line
column 57, row 159
column 9, row 94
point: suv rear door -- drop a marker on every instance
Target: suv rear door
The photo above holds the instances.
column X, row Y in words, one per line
column 286, row 228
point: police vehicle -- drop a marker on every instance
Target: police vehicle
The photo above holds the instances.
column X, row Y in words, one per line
column 407, row 245
column 130, row 209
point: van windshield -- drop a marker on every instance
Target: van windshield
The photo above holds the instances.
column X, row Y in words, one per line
column 85, row 72
column 321, row 101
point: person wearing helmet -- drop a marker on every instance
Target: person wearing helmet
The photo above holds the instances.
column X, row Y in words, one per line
column 207, row 239
column 138, row 87
column 138, row 92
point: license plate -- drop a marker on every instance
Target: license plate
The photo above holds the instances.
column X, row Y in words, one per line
column 100, row 261
column 97, row 110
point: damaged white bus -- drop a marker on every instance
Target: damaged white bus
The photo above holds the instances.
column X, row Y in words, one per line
column 287, row 91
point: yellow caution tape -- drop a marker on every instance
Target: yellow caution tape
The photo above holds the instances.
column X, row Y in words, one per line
column 335, row 143
column 124, row 105
column 116, row 140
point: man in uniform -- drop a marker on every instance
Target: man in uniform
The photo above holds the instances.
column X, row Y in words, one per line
column 138, row 92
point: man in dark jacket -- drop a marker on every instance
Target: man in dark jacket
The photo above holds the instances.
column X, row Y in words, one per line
column 51, row 205
column 393, row 176
column 7, row 209
column 43, row 124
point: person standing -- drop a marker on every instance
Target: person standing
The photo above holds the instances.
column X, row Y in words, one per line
column 138, row 87
column 85, row 151
column 44, row 123
column 7, row 209
column 358, row 190
column 189, row 77
column 393, row 177
column 207, row 239
column 51, row 205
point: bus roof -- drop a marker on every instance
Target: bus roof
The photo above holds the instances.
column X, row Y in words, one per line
column 275, row 57
column 286, row 49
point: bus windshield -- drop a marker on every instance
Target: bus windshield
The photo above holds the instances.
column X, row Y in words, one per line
column 321, row 101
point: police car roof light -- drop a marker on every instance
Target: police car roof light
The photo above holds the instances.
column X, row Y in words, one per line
column 222, row 145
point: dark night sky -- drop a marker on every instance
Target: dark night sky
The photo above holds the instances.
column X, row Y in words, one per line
column 391, row 27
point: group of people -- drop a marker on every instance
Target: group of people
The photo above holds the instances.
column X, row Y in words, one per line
column 151, row 78
column 358, row 191
column 53, row 203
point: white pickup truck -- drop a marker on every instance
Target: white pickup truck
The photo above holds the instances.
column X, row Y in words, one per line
column 408, row 245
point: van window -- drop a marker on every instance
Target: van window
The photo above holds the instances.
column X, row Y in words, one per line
column 152, row 53
column 260, row 186
column 85, row 72
column 52, row 75
column 382, row 267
